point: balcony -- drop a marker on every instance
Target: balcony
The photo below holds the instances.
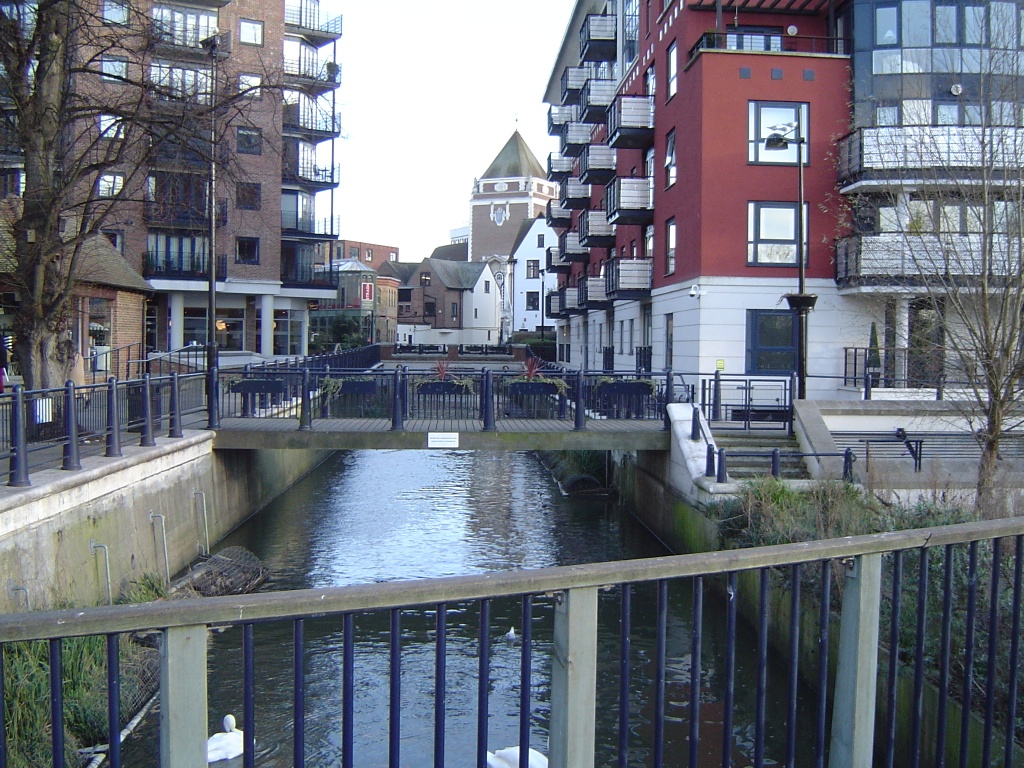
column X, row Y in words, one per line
column 309, row 276
column 575, row 196
column 571, row 249
column 179, row 41
column 573, row 80
column 595, row 231
column 898, row 259
column 311, row 75
column 575, row 136
column 888, row 153
column 558, row 116
column 559, row 168
column 597, row 164
column 187, row 216
column 558, row 215
column 595, row 98
column 310, row 124
column 631, row 122
column 597, row 38
column 305, row 19
column 296, row 225
column 627, row 279
column 553, row 304
column 570, row 300
column 630, row 201
column 555, row 261
column 310, row 174
column 592, row 293
column 165, row 266
column 762, row 42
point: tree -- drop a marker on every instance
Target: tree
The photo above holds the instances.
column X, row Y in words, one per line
column 941, row 226
column 87, row 110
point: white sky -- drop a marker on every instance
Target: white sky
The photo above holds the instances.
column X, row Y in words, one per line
column 430, row 93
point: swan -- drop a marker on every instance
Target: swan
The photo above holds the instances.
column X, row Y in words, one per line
column 509, row 758
column 224, row 746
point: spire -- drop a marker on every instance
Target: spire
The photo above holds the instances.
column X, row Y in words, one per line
column 515, row 160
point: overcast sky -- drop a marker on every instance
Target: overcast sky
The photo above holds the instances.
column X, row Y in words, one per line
column 430, row 93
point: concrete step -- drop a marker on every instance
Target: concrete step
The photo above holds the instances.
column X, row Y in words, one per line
column 741, row 467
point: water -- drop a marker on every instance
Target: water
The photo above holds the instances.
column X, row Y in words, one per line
column 380, row 515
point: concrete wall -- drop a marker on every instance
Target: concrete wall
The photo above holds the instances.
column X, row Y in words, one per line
column 47, row 531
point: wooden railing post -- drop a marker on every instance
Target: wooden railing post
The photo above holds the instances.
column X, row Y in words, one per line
column 183, row 727
column 574, row 680
column 853, row 715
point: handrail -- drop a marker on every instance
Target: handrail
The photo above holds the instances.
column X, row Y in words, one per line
column 233, row 609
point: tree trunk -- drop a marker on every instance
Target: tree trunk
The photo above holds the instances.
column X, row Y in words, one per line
column 45, row 357
column 989, row 501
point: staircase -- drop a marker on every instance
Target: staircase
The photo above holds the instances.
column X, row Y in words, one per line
column 742, row 468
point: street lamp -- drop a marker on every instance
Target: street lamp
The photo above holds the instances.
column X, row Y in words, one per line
column 543, row 304
column 211, row 45
column 801, row 302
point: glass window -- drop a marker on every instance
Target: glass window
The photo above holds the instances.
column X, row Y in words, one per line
column 974, row 25
column 650, row 80
column 887, row 116
column 532, row 301
column 249, row 86
column 649, row 242
column 540, row 240
column 766, row 118
column 533, row 268
column 673, row 71
column 886, row 31
column 248, row 197
column 114, row 68
column 888, row 221
column 115, row 12
column 917, row 28
column 424, row 278
column 249, row 140
column 250, row 32
column 670, row 246
column 187, row 27
column 111, row 126
column 917, row 112
column 247, row 250
column 947, row 114
column 455, row 310
column 771, row 233
column 109, row 184
column 771, row 342
column 670, row 159
column 945, row 25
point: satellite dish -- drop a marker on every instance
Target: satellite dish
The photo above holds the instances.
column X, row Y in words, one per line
column 956, row 89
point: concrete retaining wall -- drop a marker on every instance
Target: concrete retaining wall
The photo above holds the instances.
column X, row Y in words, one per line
column 128, row 504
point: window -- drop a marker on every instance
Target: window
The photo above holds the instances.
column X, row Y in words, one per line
column 116, row 238
column 650, row 80
column 115, row 12
column 111, row 127
column 770, row 117
column 673, row 72
column 249, row 85
column 532, row 301
column 476, row 313
column 249, row 140
column 248, row 197
column 886, row 31
column 392, row 256
column 250, row 32
column 670, row 329
column 532, row 268
column 353, row 251
column 187, row 27
column 455, row 310
column 429, row 309
column 632, row 328
column 771, row 341
column 368, row 256
column 649, row 242
column 771, row 233
column 540, row 240
column 247, row 250
column 109, row 184
column 114, row 68
column 670, row 159
column 670, row 246
column 424, row 278
column 487, row 286
column 176, row 83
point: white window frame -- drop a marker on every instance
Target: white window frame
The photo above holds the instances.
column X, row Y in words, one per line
column 762, row 250
column 670, row 246
column 110, row 126
column 250, row 32
column 672, row 86
column 114, row 68
column 109, row 184
column 762, row 117
column 670, row 159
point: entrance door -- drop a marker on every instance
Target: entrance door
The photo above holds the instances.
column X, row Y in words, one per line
column 925, row 344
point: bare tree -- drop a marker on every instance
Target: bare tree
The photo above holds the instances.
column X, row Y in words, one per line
column 940, row 224
column 87, row 112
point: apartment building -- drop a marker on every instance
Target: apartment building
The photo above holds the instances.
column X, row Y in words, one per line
column 708, row 148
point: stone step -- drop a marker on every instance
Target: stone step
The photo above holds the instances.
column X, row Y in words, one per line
column 742, row 467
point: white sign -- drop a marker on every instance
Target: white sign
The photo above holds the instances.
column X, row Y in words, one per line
column 442, row 440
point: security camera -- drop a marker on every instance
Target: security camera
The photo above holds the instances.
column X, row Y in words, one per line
column 694, row 291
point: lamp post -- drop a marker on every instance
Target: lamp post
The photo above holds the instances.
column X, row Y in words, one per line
column 801, row 302
column 212, row 45
column 543, row 304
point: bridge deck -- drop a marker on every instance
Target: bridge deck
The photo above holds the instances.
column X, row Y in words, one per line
column 509, row 434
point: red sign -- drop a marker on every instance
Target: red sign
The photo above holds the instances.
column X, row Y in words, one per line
column 367, row 291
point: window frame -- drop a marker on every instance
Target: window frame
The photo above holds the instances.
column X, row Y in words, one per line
column 254, row 203
column 254, row 147
column 241, row 240
column 671, row 171
column 758, row 132
column 114, row 69
column 754, row 238
column 110, row 18
column 535, row 306
column 672, row 71
column 532, row 269
column 109, row 185
column 754, row 348
column 671, row 235
column 255, row 25
column 250, row 86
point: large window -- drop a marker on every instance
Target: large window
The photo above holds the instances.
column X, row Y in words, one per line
column 670, row 247
column 670, row 159
column 115, row 12
column 247, row 250
column 533, row 268
column 114, row 68
column 771, row 233
column 765, row 118
column 673, row 72
column 771, row 341
column 183, row 26
column 250, row 32
column 109, row 184
column 532, row 301
column 177, row 83
column 111, row 126
column 249, row 140
column 248, row 196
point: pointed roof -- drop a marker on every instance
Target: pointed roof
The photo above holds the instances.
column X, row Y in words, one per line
column 457, row 275
column 516, row 160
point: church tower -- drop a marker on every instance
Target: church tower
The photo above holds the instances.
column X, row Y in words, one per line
column 514, row 188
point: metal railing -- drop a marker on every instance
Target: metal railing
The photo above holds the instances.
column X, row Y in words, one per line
column 743, row 402
column 938, row 609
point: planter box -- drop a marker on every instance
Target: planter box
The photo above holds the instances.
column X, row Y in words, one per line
column 521, row 388
column 443, row 388
column 624, row 399
column 624, row 389
column 349, row 387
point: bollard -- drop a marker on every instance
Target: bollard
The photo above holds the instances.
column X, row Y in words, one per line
column 848, row 465
column 305, row 404
column 581, row 413
column 147, row 440
column 397, row 417
column 175, row 414
column 722, row 476
column 695, row 424
column 19, row 441
column 709, row 462
column 716, row 398
column 113, row 421
column 776, row 463
column 72, row 459
column 212, row 400
column 488, row 394
column 867, row 386
column 247, row 399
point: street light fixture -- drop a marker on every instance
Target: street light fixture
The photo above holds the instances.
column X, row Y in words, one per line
column 211, row 45
column 801, row 302
column 543, row 305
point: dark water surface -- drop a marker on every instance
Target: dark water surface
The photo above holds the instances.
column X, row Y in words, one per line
column 382, row 515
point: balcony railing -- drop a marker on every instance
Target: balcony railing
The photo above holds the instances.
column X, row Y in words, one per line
column 904, row 259
column 307, row 17
column 570, row 300
column 558, row 215
column 573, row 80
column 597, row 38
column 311, row 173
column 595, row 231
column 555, row 261
column 575, row 136
column 630, row 201
column 181, row 215
column 559, row 168
column 168, row 266
column 571, row 248
column 309, row 225
column 885, row 152
column 595, row 98
column 631, row 122
column 592, row 293
column 326, row 124
column 575, row 196
column 597, row 164
column 326, row 75
column 309, row 275
column 553, row 304
column 762, row 42
column 628, row 279
column 559, row 116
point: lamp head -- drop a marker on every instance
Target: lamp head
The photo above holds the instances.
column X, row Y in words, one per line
column 776, row 141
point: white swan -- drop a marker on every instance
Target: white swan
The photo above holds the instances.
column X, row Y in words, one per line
column 509, row 758
column 224, row 746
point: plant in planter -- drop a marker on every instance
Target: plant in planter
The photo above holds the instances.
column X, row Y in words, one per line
column 532, row 383
column 443, row 383
column 873, row 362
column 623, row 397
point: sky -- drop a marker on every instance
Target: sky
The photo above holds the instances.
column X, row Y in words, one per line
column 430, row 93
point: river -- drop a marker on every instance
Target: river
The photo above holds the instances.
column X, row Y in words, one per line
column 370, row 516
